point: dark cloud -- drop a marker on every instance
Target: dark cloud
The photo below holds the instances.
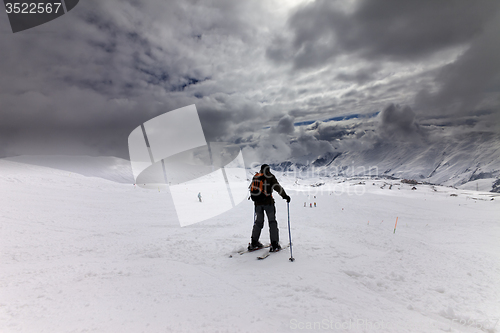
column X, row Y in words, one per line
column 330, row 131
column 360, row 76
column 230, row 120
column 396, row 127
column 443, row 55
column 398, row 124
column 353, row 93
column 398, row 118
column 390, row 29
column 285, row 125
column 82, row 83
column 278, row 50
column 306, row 145
column 472, row 81
column 395, row 122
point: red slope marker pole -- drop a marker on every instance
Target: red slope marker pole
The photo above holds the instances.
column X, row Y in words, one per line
column 396, row 225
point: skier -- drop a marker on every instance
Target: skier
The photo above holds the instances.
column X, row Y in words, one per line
column 199, row 196
column 261, row 189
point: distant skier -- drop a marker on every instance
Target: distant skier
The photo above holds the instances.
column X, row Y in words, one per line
column 199, row 196
column 261, row 189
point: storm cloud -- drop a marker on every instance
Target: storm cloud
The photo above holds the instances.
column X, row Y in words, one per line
column 257, row 71
column 285, row 125
column 454, row 43
column 399, row 119
column 373, row 29
column 81, row 83
column 472, row 81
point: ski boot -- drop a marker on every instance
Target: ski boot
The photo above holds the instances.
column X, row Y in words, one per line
column 254, row 246
column 275, row 247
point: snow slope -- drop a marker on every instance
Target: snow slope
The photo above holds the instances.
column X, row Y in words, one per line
column 106, row 167
column 471, row 161
column 80, row 254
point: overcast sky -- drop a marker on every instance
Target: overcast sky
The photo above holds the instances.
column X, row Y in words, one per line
column 81, row 83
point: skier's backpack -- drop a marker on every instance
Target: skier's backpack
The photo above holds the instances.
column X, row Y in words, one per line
column 258, row 188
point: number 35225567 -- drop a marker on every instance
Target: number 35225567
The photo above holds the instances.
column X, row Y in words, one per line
column 32, row 8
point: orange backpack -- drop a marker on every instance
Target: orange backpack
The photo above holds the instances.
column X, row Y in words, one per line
column 258, row 188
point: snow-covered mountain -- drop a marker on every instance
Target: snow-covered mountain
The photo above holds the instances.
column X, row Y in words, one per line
column 473, row 162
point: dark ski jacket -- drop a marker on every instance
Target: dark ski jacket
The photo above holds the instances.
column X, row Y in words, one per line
column 270, row 184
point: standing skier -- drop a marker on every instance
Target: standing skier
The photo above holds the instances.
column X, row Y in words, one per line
column 199, row 196
column 261, row 190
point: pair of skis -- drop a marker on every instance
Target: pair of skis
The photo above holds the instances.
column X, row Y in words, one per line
column 268, row 253
column 265, row 255
column 256, row 249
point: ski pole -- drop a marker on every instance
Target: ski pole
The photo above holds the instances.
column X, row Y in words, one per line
column 289, row 232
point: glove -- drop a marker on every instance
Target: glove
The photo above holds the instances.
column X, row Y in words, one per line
column 287, row 198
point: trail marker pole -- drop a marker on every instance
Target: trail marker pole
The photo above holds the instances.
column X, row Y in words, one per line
column 396, row 225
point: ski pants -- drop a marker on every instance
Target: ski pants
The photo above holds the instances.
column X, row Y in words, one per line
column 259, row 222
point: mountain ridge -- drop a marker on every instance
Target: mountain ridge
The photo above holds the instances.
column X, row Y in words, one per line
column 472, row 161
column 451, row 163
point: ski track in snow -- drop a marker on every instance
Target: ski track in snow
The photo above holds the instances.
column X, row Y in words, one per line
column 83, row 254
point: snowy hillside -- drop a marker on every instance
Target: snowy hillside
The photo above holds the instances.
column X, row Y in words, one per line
column 106, row 167
column 82, row 254
column 471, row 161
